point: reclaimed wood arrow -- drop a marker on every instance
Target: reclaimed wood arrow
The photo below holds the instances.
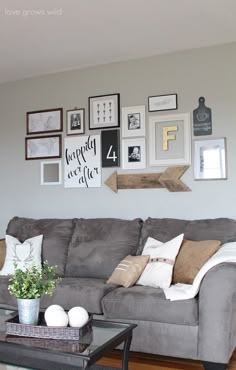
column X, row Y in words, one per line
column 168, row 179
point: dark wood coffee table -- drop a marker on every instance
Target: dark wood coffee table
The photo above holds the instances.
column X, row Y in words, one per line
column 49, row 354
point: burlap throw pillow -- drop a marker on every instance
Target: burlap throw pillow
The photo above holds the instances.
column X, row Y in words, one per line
column 128, row 271
column 2, row 252
column 191, row 257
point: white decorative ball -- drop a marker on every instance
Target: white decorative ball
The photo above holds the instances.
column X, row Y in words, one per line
column 50, row 311
column 78, row 316
column 56, row 317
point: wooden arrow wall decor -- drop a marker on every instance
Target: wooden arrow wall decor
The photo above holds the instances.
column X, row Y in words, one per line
column 168, row 179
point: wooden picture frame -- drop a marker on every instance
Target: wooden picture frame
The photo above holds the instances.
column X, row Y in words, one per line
column 75, row 121
column 40, row 147
column 210, row 159
column 44, row 121
column 104, row 111
column 162, row 102
column 133, row 153
column 133, row 121
column 170, row 140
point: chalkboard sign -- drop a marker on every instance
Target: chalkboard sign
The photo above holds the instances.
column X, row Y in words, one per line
column 202, row 124
column 110, row 148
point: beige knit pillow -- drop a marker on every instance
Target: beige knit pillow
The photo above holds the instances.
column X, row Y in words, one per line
column 2, row 252
column 128, row 271
column 191, row 257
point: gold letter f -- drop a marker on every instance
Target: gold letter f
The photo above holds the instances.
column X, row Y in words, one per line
column 167, row 137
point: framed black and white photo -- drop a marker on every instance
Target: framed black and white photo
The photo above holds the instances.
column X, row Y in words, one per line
column 110, row 148
column 75, row 121
column 50, row 173
column 133, row 121
column 104, row 111
column 210, row 159
column 162, row 102
column 170, row 140
column 39, row 147
column 44, row 121
column 133, row 153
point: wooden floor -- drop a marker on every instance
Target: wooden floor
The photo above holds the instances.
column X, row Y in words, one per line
column 139, row 361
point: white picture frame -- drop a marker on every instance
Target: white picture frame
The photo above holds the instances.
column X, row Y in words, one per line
column 210, row 159
column 50, row 173
column 133, row 121
column 178, row 150
column 133, row 154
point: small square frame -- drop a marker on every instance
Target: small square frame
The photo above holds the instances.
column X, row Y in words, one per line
column 44, row 121
column 133, row 121
column 162, row 102
column 179, row 151
column 75, row 119
column 53, row 178
column 40, row 147
column 104, row 111
column 133, row 154
column 210, row 159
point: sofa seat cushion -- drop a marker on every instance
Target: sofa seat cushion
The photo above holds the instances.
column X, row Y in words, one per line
column 99, row 244
column 56, row 233
column 84, row 292
column 149, row 304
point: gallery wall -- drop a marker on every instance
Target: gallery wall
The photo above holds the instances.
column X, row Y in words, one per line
column 208, row 72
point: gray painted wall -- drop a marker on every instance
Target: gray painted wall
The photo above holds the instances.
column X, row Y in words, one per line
column 208, row 72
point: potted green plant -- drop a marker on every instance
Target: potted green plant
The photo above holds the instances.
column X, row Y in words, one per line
column 28, row 286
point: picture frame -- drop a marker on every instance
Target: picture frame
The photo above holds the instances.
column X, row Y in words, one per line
column 44, row 121
column 170, row 140
column 104, row 111
column 210, row 159
column 40, row 147
column 75, row 121
column 110, row 140
column 133, row 121
column 162, row 102
column 133, row 153
column 50, row 173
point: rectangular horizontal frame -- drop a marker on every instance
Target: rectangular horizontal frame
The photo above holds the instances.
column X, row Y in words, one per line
column 42, row 118
column 51, row 141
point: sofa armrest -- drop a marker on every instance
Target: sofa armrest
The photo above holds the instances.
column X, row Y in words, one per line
column 2, row 252
column 217, row 314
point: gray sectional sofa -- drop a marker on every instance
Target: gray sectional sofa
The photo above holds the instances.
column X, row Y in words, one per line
column 87, row 251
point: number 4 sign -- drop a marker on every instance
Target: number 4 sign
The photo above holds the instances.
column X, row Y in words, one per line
column 110, row 148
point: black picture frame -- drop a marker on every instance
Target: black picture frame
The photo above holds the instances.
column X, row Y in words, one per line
column 162, row 102
column 104, row 111
column 110, row 148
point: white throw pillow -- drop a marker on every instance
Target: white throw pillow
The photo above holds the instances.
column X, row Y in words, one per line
column 158, row 273
column 24, row 254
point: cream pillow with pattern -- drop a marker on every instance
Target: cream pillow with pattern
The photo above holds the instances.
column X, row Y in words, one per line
column 159, row 270
column 23, row 254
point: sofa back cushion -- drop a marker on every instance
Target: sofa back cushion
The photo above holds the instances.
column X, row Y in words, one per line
column 98, row 245
column 56, row 233
column 163, row 229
